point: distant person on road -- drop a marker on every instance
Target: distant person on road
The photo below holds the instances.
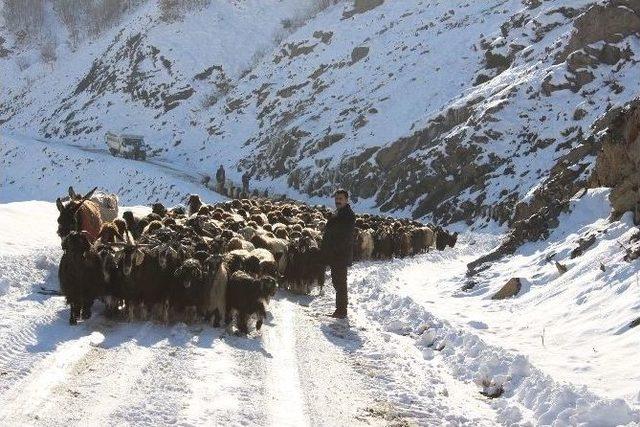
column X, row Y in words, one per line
column 337, row 248
column 245, row 182
column 220, row 177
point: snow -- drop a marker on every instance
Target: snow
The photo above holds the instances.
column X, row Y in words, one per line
column 572, row 326
column 407, row 77
column 415, row 347
column 32, row 168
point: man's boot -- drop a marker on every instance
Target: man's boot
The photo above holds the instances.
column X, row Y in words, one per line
column 339, row 314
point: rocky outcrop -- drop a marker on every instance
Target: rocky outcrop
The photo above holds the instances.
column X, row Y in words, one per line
column 609, row 23
column 618, row 162
column 510, row 289
column 362, row 6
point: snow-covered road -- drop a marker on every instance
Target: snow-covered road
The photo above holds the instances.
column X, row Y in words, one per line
column 303, row 369
column 408, row 354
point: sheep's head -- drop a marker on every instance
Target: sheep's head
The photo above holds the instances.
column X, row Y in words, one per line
column 159, row 209
column 189, row 273
column 269, row 287
column 129, row 257
column 194, row 203
column 212, row 264
column 166, row 256
column 107, row 262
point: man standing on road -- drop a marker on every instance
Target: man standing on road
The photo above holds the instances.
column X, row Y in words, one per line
column 337, row 248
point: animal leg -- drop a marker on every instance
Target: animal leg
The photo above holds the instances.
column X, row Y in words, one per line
column 216, row 318
column 130, row 311
column 86, row 310
column 74, row 313
column 243, row 320
column 262, row 313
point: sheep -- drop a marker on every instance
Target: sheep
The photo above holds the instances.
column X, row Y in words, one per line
column 305, row 268
column 382, row 244
column 159, row 209
column 128, row 258
column 278, row 247
column 194, row 203
column 133, row 224
column 80, row 275
column 214, row 304
column 152, row 227
column 248, row 232
column 246, row 296
column 238, row 243
column 109, row 233
column 401, row 243
column 444, row 238
column 364, row 245
column 110, row 275
column 189, row 288
column 422, row 238
column 182, row 265
column 266, row 262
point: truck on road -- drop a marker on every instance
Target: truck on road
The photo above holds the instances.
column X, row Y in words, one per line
column 128, row 146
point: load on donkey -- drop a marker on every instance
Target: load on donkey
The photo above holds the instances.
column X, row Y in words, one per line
column 85, row 213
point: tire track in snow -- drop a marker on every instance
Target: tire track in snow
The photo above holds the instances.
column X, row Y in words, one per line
column 406, row 387
column 287, row 399
column 159, row 393
column 99, row 382
column 227, row 383
column 311, row 381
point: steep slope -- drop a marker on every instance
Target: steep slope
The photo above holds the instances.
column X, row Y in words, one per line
column 147, row 75
column 457, row 111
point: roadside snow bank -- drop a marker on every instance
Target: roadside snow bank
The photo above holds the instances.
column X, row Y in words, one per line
column 528, row 393
column 29, row 247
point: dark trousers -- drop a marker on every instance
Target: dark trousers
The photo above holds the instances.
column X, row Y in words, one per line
column 339, row 280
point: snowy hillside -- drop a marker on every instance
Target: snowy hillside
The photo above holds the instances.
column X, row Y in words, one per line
column 455, row 110
column 514, row 122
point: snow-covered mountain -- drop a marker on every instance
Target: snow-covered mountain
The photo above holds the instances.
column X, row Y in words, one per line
column 502, row 118
column 451, row 110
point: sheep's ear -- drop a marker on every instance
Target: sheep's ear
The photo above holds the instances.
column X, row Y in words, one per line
column 59, row 204
column 138, row 257
column 72, row 193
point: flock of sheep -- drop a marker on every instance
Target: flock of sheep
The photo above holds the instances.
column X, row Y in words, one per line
column 209, row 262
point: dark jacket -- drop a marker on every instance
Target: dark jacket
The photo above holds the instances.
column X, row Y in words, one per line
column 337, row 240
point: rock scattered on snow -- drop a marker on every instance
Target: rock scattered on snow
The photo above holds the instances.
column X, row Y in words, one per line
column 510, row 289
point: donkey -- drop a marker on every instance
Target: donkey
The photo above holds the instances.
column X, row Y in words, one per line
column 79, row 214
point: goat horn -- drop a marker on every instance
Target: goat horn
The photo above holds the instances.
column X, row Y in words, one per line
column 90, row 193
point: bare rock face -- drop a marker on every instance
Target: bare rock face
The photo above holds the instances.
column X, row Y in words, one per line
column 618, row 163
column 510, row 289
column 609, row 23
column 362, row 6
